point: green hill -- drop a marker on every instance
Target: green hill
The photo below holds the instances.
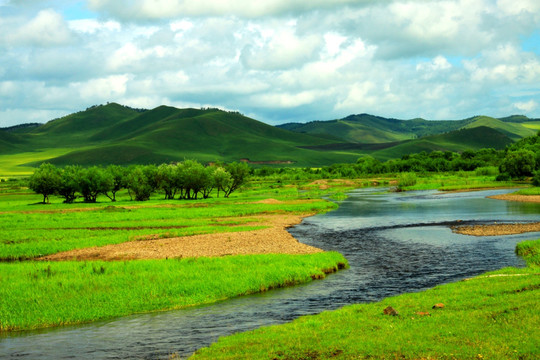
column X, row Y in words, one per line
column 369, row 129
column 118, row 134
column 459, row 140
column 474, row 138
column 10, row 143
column 514, row 127
column 365, row 128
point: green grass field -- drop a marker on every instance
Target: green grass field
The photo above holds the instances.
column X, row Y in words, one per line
column 39, row 294
column 43, row 294
column 493, row 316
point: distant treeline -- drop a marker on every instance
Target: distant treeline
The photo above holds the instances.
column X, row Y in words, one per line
column 188, row 179
column 519, row 160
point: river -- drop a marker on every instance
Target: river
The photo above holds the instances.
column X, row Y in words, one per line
column 394, row 242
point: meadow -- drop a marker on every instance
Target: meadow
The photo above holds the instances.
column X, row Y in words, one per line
column 38, row 294
column 42, row 294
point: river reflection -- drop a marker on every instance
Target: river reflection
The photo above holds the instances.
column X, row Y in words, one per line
column 395, row 243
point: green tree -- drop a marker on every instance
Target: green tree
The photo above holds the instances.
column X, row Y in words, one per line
column 166, row 180
column 118, row 176
column 519, row 163
column 193, row 178
column 45, row 181
column 138, row 185
column 239, row 173
column 92, row 182
column 222, row 179
column 69, row 183
column 208, row 182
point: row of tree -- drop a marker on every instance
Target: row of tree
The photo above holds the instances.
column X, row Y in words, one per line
column 188, row 179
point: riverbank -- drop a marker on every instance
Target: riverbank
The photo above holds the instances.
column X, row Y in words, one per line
column 517, row 197
column 497, row 229
column 491, row 316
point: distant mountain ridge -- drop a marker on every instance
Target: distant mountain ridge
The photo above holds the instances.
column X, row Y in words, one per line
column 114, row 133
column 365, row 128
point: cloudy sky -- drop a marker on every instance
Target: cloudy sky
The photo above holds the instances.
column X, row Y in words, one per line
column 274, row 60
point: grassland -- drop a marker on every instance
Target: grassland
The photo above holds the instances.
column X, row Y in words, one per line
column 529, row 191
column 39, row 294
column 43, row 294
column 492, row 316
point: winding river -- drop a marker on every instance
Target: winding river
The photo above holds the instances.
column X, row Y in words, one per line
column 395, row 243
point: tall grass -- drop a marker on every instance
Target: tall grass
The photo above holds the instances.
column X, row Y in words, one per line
column 42, row 294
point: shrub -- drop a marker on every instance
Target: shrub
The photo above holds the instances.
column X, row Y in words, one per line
column 536, row 178
column 487, row 171
column 406, row 179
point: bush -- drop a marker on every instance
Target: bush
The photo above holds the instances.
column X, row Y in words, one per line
column 503, row 177
column 407, row 179
column 536, row 178
column 487, row 171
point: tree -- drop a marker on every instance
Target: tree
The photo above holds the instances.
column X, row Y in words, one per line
column 222, row 179
column 166, row 180
column 118, row 177
column 138, row 185
column 69, row 183
column 193, row 178
column 519, row 163
column 45, row 181
column 208, row 182
column 92, row 182
column 239, row 173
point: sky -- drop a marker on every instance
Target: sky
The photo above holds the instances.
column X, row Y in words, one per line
column 276, row 61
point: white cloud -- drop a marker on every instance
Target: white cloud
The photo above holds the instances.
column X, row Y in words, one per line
column 527, row 106
column 276, row 60
column 516, row 7
column 110, row 87
column 47, row 28
column 91, row 26
column 167, row 9
column 282, row 49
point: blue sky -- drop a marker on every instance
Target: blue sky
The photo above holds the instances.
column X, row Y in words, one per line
column 274, row 60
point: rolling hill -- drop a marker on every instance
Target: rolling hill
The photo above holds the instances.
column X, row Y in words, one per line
column 118, row 134
column 369, row 129
column 113, row 133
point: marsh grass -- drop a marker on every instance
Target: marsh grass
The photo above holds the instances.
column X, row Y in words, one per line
column 43, row 294
column 493, row 316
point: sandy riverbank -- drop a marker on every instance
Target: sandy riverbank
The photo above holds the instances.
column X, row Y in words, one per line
column 496, row 229
column 516, row 197
column 274, row 239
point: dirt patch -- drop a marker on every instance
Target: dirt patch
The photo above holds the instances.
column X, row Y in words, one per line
column 515, row 197
column 269, row 201
column 274, row 239
column 326, row 184
column 496, row 229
